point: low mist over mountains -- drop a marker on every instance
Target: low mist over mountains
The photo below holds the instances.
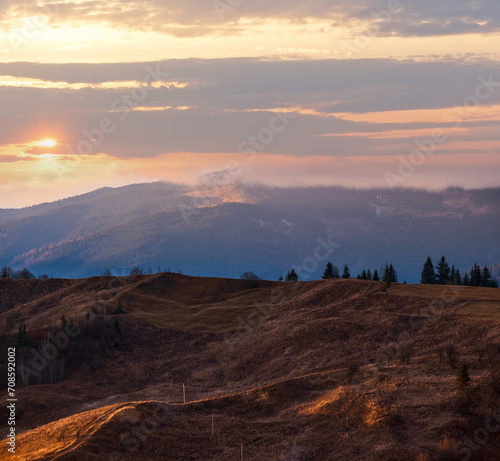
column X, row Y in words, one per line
column 225, row 231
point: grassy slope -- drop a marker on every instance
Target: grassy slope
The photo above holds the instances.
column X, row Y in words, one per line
column 288, row 360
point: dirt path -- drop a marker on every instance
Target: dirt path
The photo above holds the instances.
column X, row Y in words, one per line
column 89, row 429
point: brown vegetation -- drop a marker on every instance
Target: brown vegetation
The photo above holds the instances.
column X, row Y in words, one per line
column 270, row 363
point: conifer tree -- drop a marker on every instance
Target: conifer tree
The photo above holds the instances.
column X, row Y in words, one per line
column 291, row 276
column 346, row 274
column 393, row 274
column 486, row 276
column 428, row 274
column 443, row 271
column 376, row 277
column 386, row 277
column 476, row 276
column 328, row 274
column 463, row 378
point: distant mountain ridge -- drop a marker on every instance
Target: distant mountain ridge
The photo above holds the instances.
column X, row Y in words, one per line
column 228, row 229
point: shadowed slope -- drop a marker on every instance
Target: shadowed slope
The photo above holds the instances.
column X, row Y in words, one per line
column 268, row 362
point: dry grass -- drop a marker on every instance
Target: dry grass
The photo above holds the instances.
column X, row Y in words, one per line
column 46, row 441
column 278, row 382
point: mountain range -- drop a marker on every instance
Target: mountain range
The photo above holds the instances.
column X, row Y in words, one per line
column 224, row 229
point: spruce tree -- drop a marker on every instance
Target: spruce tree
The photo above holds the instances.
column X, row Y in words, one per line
column 387, row 274
column 346, row 274
column 463, row 378
column 328, row 274
column 486, row 277
column 292, row 276
column 393, row 274
column 376, row 277
column 476, row 276
column 369, row 275
column 363, row 275
column 428, row 275
column 443, row 271
column 452, row 275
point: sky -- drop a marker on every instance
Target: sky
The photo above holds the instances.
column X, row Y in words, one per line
column 393, row 93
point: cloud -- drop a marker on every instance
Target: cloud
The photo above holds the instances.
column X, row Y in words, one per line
column 223, row 102
column 336, row 117
column 194, row 18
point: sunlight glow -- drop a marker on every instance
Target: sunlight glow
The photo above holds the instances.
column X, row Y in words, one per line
column 47, row 143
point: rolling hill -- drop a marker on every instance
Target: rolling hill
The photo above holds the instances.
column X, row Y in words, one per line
column 272, row 365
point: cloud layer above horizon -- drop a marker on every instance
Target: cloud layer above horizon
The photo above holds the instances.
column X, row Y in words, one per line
column 360, row 111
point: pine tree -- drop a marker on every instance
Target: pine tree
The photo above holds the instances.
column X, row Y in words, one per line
column 291, row 276
column 369, row 275
column 387, row 275
column 346, row 274
column 5, row 274
column 458, row 277
column 463, row 378
column 466, row 281
column 280, row 279
column 363, row 275
column 476, row 277
column 486, row 277
column 328, row 274
column 393, row 274
column 428, row 275
column 376, row 277
column 443, row 271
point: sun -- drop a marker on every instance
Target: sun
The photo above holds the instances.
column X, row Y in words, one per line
column 47, row 143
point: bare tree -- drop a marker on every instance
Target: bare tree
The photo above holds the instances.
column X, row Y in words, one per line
column 452, row 354
column 351, row 408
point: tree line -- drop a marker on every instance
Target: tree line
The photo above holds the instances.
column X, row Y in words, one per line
column 389, row 273
column 9, row 273
column 443, row 274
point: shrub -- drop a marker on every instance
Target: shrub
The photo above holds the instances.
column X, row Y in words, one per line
column 351, row 410
column 251, row 278
column 444, row 448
